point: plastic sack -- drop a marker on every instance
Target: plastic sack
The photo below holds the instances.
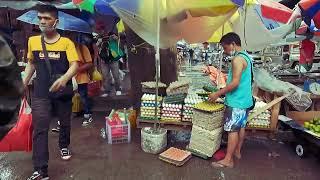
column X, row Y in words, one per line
column 94, row 88
column 76, row 103
column 19, row 138
column 299, row 99
column 213, row 73
column 96, row 75
column 74, row 84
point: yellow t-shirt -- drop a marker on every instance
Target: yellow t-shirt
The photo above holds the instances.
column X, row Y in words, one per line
column 85, row 57
column 60, row 55
column 63, row 49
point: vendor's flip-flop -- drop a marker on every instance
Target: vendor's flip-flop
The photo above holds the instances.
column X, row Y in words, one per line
column 237, row 157
column 219, row 165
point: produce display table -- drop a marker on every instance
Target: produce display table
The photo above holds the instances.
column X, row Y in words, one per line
column 301, row 117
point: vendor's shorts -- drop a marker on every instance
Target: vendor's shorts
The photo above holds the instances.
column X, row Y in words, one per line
column 235, row 119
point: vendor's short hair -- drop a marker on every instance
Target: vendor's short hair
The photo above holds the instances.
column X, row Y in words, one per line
column 231, row 38
column 47, row 8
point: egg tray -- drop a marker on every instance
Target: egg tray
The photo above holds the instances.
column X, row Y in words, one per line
column 166, row 119
column 152, row 85
column 201, row 107
column 208, row 121
column 175, row 156
column 148, row 118
column 175, row 99
column 204, row 141
column 181, row 90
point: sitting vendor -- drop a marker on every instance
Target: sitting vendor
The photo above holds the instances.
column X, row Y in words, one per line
column 238, row 99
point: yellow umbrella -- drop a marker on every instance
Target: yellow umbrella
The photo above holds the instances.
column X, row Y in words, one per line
column 180, row 19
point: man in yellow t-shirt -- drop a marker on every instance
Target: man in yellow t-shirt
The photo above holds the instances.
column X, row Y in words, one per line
column 83, row 77
column 63, row 59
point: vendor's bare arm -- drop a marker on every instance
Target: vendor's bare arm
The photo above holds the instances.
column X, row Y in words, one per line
column 238, row 64
column 30, row 69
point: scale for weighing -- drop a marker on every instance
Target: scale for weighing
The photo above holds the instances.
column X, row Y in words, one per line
column 312, row 84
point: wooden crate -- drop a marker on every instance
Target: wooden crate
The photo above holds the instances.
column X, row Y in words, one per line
column 275, row 110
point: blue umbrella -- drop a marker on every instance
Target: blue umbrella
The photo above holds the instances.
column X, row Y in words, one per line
column 103, row 7
column 66, row 21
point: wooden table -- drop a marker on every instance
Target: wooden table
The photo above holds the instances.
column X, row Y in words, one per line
column 275, row 110
column 177, row 126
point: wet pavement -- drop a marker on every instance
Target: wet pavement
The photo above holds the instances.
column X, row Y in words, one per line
column 94, row 159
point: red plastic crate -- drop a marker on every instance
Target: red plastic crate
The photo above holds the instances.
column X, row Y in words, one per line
column 118, row 133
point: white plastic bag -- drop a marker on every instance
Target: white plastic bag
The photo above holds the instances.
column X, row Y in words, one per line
column 74, row 84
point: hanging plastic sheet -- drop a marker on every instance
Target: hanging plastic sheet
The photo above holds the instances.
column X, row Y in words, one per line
column 299, row 99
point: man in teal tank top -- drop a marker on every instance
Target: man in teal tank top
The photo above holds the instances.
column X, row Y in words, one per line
column 238, row 99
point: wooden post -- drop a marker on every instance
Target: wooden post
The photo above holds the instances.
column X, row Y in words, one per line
column 274, row 115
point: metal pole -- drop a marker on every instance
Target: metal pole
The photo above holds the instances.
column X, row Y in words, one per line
column 220, row 62
column 157, row 57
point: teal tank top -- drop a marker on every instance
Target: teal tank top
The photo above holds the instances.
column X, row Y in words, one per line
column 241, row 97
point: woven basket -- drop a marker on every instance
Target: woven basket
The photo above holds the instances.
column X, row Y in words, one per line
column 208, row 120
column 204, row 141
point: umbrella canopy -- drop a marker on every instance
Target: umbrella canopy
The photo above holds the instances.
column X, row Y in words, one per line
column 310, row 13
column 95, row 6
column 19, row 5
column 66, row 21
column 175, row 24
column 259, row 22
